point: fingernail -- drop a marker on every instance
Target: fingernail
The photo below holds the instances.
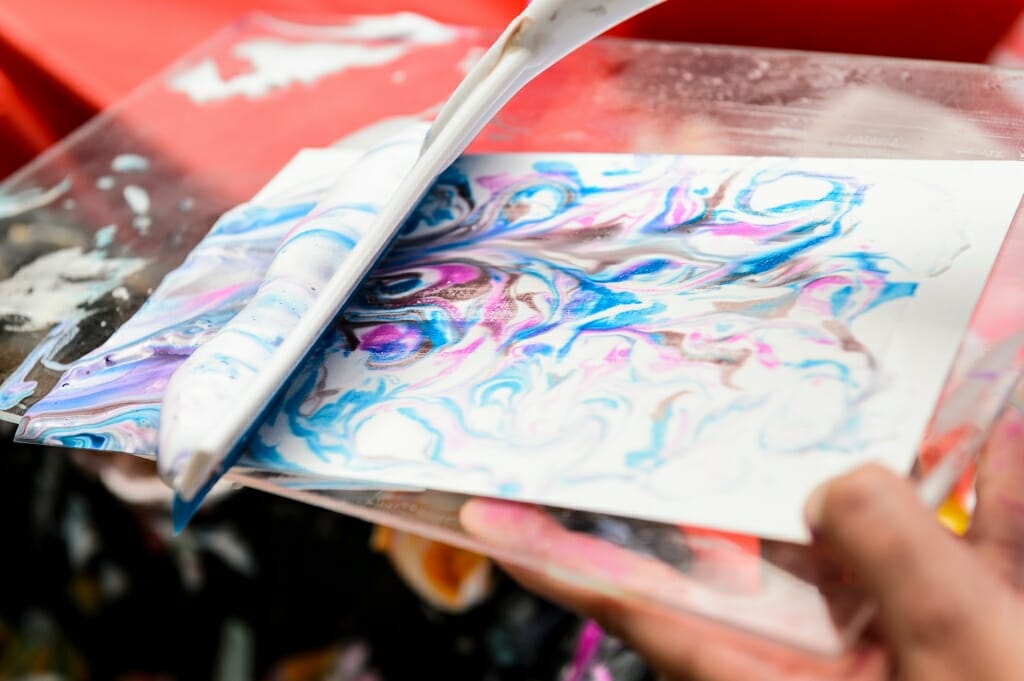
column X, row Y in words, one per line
column 495, row 521
column 503, row 512
column 814, row 507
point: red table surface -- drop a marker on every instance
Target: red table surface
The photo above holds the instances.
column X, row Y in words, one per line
column 61, row 61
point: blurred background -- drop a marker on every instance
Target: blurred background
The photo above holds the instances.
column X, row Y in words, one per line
column 92, row 584
column 61, row 61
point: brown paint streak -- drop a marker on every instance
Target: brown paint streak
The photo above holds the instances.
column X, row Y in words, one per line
column 661, row 410
column 848, row 342
column 730, row 361
column 783, row 305
column 733, row 364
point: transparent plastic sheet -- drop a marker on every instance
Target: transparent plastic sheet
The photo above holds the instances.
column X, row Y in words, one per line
column 202, row 157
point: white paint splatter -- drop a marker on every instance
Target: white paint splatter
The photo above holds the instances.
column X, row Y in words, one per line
column 137, row 198
column 17, row 387
column 51, row 287
column 142, row 224
column 120, row 293
column 407, row 27
column 22, row 202
column 53, row 365
column 105, row 236
column 105, row 183
column 278, row 64
column 124, row 163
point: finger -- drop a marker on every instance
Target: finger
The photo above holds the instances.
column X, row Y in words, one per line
column 997, row 526
column 677, row 645
column 672, row 646
column 577, row 570
column 926, row 584
column 682, row 647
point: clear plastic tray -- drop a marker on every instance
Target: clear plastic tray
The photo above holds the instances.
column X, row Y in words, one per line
column 612, row 96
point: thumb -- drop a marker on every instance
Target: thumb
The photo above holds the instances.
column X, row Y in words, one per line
column 926, row 584
column 997, row 528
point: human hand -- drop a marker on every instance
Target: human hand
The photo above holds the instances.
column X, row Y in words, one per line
column 947, row 608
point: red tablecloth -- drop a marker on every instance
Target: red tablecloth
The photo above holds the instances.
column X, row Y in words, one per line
column 62, row 61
